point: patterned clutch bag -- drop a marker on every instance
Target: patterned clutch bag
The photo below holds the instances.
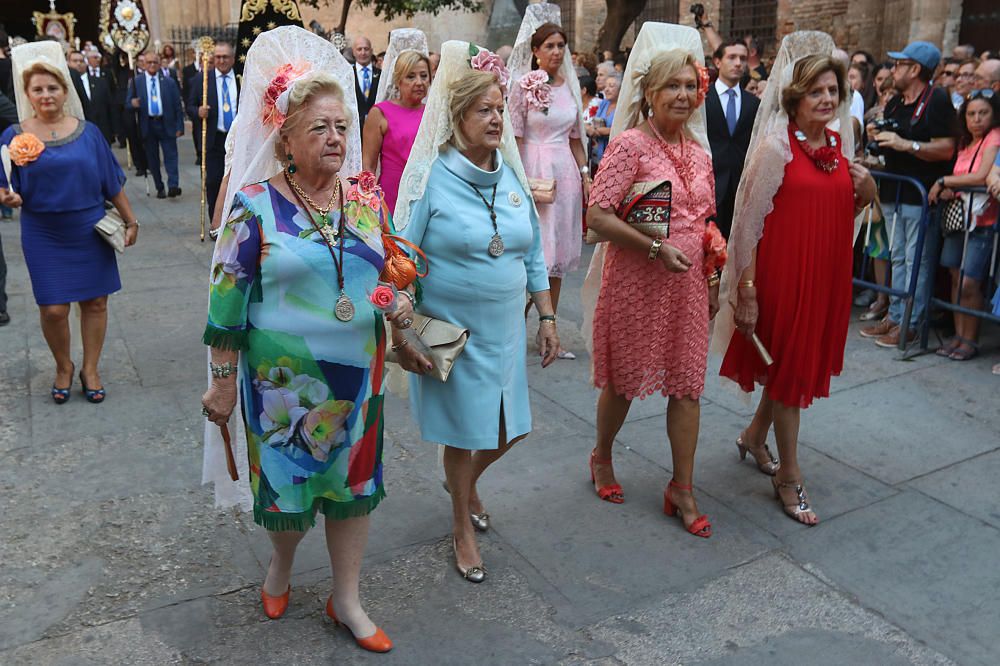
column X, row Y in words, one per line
column 646, row 207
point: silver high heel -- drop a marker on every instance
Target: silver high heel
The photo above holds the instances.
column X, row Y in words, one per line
column 476, row 574
column 770, row 468
column 481, row 521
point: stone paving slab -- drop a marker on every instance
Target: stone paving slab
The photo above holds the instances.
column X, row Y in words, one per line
column 114, row 554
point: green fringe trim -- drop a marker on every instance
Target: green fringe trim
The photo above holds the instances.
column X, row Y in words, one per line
column 221, row 338
column 418, row 292
column 353, row 509
column 274, row 521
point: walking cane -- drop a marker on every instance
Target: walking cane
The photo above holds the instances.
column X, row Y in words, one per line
column 207, row 46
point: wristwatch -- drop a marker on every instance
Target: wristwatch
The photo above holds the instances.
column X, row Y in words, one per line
column 915, row 146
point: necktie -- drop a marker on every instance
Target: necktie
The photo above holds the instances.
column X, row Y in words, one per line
column 154, row 100
column 227, row 108
column 731, row 117
column 93, row 73
column 366, row 80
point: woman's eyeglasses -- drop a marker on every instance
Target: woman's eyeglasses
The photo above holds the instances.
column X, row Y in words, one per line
column 985, row 93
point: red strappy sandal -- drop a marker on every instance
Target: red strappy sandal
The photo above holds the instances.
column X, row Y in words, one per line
column 700, row 527
column 612, row 493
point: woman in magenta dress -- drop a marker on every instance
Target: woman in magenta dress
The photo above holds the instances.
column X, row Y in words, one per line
column 650, row 322
column 795, row 291
column 391, row 126
column 546, row 118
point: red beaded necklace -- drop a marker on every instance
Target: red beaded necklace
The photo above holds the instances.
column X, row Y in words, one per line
column 677, row 155
column 827, row 158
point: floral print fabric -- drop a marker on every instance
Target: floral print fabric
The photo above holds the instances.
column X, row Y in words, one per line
column 311, row 384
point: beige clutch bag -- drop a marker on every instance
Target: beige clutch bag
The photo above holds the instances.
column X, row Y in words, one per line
column 445, row 341
column 111, row 229
column 543, row 190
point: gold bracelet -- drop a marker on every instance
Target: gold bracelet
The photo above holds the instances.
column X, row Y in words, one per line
column 654, row 249
column 713, row 279
column 748, row 284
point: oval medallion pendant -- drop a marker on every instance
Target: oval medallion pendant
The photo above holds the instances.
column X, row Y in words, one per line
column 344, row 310
column 496, row 246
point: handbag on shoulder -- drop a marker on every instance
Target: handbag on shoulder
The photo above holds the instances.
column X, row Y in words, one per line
column 111, row 229
column 646, row 208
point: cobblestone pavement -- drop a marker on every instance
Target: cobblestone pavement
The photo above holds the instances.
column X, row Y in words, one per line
column 113, row 553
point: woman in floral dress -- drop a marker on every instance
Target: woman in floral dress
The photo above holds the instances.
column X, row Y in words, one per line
column 546, row 118
column 293, row 271
column 657, row 294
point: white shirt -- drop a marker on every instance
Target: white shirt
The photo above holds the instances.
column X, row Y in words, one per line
column 149, row 95
column 858, row 107
column 722, row 89
column 360, row 69
column 230, row 83
column 85, row 78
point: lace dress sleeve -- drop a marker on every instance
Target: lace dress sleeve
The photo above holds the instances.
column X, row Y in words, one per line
column 517, row 109
column 619, row 167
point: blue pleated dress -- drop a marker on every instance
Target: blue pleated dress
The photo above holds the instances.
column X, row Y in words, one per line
column 64, row 192
column 470, row 288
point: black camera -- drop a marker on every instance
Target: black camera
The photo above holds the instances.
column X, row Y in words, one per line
column 883, row 125
column 698, row 10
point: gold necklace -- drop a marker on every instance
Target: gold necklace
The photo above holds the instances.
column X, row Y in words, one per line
column 323, row 212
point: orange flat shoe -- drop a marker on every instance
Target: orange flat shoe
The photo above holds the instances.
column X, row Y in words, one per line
column 377, row 642
column 700, row 526
column 612, row 493
column 275, row 607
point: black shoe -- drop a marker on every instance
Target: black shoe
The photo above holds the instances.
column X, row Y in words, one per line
column 4, row 318
column 160, row 194
column 140, row 173
column 197, row 161
column 107, row 205
column 174, row 192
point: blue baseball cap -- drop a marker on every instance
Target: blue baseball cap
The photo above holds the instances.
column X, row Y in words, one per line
column 924, row 53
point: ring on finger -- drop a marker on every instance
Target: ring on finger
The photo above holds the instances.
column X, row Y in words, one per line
column 204, row 411
column 406, row 323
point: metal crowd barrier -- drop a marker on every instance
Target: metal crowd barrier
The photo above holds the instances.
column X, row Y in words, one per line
column 991, row 279
column 890, row 213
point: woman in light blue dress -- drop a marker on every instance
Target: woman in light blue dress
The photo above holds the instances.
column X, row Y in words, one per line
column 479, row 272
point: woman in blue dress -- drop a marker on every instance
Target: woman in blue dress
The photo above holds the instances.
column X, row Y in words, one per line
column 474, row 219
column 63, row 173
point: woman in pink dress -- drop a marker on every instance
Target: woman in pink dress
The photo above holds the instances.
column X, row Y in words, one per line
column 392, row 125
column 650, row 324
column 546, row 118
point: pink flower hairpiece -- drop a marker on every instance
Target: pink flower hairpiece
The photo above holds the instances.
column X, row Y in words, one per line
column 482, row 60
column 703, row 81
column 276, row 95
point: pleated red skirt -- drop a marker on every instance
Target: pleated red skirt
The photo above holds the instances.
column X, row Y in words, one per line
column 803, row 280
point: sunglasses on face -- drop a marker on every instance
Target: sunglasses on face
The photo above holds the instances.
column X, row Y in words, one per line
column 985, row 93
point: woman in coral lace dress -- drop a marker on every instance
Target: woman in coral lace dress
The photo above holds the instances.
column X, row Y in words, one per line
column 794, row 268
column 546, row 115
column 650, row 327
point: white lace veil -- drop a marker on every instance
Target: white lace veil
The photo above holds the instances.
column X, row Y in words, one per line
column 653, row 39
column 519, row 62
column 764, row 171
column 24, row 56
column 251, row 159
column 401, row 39
column 435, row 131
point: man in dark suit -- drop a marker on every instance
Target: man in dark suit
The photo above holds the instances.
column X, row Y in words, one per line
column 161, row 122
column 96, row 99
column 730, row 113
column 218, row 114
column 188, row 74
column 366, row 77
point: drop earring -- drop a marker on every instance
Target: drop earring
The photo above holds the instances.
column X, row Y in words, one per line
column 291, row 164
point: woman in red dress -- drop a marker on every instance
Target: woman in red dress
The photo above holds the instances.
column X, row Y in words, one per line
column 795, row 292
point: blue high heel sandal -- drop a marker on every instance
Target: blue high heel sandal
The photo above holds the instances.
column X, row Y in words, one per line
column 95, row 396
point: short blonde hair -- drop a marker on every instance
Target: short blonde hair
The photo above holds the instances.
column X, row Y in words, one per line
column 464, row 93
column 304, row 91
column 804, row 75
column 406, row 62
column 43, row 68
column 663, row 67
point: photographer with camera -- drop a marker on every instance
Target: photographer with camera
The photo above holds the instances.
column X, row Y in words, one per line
column 916, row 138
